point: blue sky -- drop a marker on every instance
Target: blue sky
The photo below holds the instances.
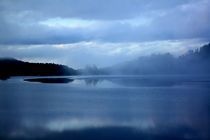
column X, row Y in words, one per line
column 101, row 32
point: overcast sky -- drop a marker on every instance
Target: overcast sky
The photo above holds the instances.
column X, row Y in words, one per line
column 101, row 32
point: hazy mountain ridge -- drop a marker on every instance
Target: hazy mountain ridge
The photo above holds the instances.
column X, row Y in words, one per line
column 193, row 62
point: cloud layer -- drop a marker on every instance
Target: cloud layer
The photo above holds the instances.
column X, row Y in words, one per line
column 67, row 21
column 85, row 29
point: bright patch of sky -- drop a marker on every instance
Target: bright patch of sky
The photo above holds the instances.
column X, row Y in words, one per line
column 69, row 23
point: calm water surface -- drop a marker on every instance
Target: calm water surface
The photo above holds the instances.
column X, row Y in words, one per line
column 106, row 107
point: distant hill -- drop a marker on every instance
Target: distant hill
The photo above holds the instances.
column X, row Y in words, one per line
column 194, row 62
column 12, row 67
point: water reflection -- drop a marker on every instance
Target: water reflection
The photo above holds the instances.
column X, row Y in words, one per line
column 131, row 81
column 64, row 111
column 50, row 80
column 149, row 80
column 92, row 81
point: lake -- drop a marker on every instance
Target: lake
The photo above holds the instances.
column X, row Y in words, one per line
column 105, row 107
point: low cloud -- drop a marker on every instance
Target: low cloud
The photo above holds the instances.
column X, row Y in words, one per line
column 102, row 54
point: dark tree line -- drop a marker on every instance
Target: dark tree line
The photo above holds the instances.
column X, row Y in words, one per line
column 12, row 67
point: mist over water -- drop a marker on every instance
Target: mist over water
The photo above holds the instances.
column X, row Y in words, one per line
column 106, row 107
column 152, row 97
